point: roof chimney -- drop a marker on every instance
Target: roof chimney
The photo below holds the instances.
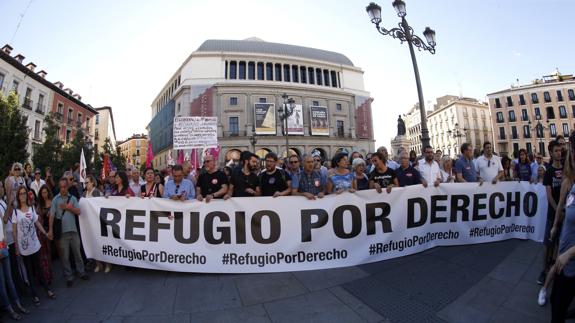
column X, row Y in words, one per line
column 7, row 49
column 67, row 90
column 42, row 74
column 77, row 97
column 19, row 58
column 59, row 84
column 31, row 66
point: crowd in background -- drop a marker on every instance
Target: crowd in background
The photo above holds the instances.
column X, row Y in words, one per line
column 40, row 211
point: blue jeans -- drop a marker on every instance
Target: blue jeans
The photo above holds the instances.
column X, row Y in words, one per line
column 7, row 289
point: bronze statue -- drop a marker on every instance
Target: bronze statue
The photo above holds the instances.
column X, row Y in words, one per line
column 400, row 126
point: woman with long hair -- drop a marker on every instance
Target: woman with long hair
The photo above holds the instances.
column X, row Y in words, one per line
column 122, row 187
column 151, row 188
column 523, row 167
column 25, row 223
column 43, row 207
column 342, row 179
column 507, row 169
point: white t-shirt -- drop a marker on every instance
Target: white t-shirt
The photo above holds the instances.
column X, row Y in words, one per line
column 429, row 172
column 488, row 168
column 28, row 242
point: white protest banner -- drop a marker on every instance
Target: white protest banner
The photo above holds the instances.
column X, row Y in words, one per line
column 265, row 234
column 195, row 132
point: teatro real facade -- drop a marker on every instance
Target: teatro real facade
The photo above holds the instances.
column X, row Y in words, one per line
column 241, row 82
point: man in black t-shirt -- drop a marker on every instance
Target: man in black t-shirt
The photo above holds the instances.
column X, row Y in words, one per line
column 213, row 183
column 244, row 181
column 274, row 181
column 381, row 176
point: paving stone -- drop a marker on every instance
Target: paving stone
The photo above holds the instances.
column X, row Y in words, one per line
column 179, row 318
column 43, row 316
column 523, row 299
column 320, row 279
column 446, row 252
column 209, row 293
column 247, row 314
column 64, row 296
column 366, row 313
column 321, row 306
column 509, row 271
column 141, row 277
column 394, row 305
column 143, row 300
column 89, row 319
column 506, row 315
column 94, row 301
column 260, row 288
column 526, row 253
column 383, row 265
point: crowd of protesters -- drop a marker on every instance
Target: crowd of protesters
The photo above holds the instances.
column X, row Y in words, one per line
column 40, row 211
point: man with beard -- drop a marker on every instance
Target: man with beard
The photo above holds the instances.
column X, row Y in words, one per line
column 213, row 183
column 429, row 168
column 382, row 176
column 244, row 181
column 274, row 181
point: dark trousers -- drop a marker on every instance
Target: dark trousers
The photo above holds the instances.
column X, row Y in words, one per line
column 34, row 271
column 561, row 297
column 8, row 295
column 16, row 276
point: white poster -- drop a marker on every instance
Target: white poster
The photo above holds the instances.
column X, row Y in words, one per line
column 295, row 121
column 195, row 132
column 292, row 233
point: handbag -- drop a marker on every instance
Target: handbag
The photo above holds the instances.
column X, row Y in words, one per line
column 57, row 225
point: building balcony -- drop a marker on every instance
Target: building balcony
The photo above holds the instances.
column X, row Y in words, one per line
column 527, row 135
column 70, row 121
column 87, row 129
column 514, row 136
column 96, row 136
column 58, row 116
column 27, row 104
column 234, row 133
column 502, row 137
column 79, row 124
column 40, row 108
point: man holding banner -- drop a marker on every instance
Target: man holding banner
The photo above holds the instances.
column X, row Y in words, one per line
column 213, row 183
column 311, row 184
column 244, row 182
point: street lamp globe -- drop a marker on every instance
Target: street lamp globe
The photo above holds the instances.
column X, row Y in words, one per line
column 399, row 6
column 374, row 12
column 429, row 36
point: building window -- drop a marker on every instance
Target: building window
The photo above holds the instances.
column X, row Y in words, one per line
column 40, row 106
column 553, row 130
column 497, row 103
column 15, row 85
column 534, row 98
column 509, row 101
column 233, row 70
column 528, row 147
column 546, row 96
column 565, row 130
column 340, row 128
column 333, row 79
column 542, row 148
column 315, row 103
column 234, row 126
column 1, row 80
column 524, row 115
column 559, row 95
column 251, row 71
column 526, row 131
column 537, row 113
column 501, row 133
column 318, row 76
column 326, row 77
column 570, row 92
column 303, row 74
column 295, row 73
column 269, row 72
column 68, row 135
column 513, row 132
column 516, row 148
column 562, row 112
column 278, row 72
column 233, row 100
column 539, row 130
column 512, row 116
column 287, row 77
column 242, row 72
column 37, row 130
column 338, row 106
column 499, row 117
column 260, row 71
column 573, row 108
column 179, row 106
column 70, row 115
column 521, row 99
column 550, row 113
column 262, row 100
column 311, row 73
column 226, row 71
column 97, row 121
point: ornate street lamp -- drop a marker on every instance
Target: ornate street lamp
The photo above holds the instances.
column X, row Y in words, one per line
column 405, row 34
column 253, row 139
column 285, row 111
column 539, row 127
column 457, row 133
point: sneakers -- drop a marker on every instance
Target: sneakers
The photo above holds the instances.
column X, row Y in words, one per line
column 542, row 297
column 108, row 268
column 541, row 279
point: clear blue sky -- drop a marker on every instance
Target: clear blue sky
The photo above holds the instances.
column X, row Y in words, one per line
column 120, row 53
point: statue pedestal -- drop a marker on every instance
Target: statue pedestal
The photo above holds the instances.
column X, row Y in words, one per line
column 397, row 144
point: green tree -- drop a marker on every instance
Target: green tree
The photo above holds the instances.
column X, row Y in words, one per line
column 13, row 133
column 49, row 153
column 72, row 152
column 115, row 156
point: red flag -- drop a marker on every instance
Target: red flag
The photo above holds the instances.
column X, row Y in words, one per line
column 194, row 159
column 149, row 155
column 106, row 167
column 180, row 157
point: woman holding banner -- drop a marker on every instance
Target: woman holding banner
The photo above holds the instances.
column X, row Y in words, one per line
column 342, row 179
column 151, row 188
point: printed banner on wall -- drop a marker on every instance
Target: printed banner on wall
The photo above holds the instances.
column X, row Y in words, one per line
column 265, row 116
column 295, row 121
column 319, row 121
column 292, row 233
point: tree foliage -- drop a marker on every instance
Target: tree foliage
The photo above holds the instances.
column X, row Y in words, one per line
column 13, row 133
column 49, row 153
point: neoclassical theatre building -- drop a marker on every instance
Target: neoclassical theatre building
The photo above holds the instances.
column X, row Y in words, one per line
column 241, row 82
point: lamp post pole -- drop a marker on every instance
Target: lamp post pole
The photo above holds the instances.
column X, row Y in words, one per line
column 404, row 33
column 285, row 111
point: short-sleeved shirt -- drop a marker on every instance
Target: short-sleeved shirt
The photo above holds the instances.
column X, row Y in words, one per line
column 271, row 183
column 407, row 177
column 383, row 179
column 211, row 183
column 466, row 168
column 567, row 237
column 241, row 182
column 523, row 171
column 488, row 169
column 362, row 182
column 311, row 183
column 553, row 178
column 28, row 242
column 185, row 187
column 339, row 181
column 429, row 172
column 294, row 177
column 67, row 217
